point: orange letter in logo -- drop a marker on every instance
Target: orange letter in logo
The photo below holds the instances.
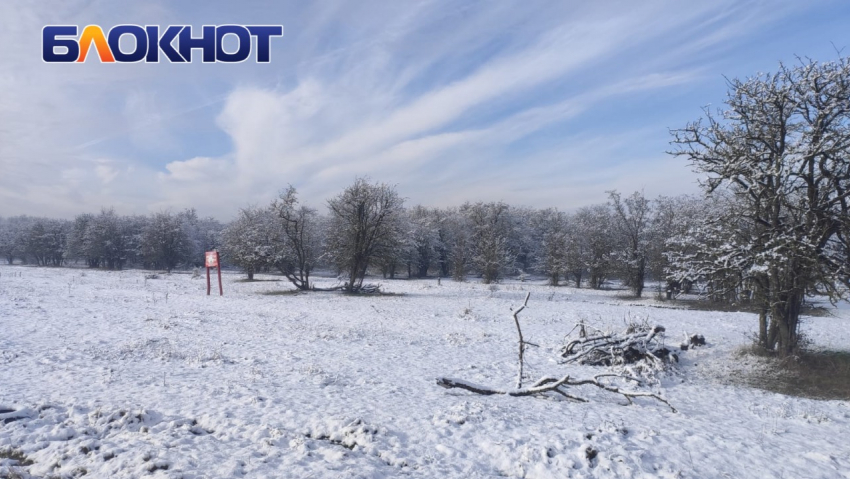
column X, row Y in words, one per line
column 94, row 33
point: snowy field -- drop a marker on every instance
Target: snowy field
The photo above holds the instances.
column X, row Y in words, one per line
column 110, row 375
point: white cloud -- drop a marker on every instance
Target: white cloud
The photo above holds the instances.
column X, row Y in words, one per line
column 452, row 101
column 197, row 169
column 106, row 172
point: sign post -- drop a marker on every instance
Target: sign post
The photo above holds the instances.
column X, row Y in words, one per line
column 212, row 260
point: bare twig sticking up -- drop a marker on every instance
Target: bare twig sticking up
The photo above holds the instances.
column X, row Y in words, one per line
column 521, row 342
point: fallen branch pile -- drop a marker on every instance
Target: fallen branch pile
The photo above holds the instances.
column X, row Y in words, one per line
column 637, row 343
column 582, row 349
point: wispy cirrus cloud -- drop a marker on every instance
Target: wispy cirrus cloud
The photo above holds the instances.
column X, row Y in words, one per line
column 547, row 104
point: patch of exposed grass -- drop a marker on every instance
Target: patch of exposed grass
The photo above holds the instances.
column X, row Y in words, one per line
column 810, row 374
column 282, row 292
column 371, row 295
column 707, row 305
column 295, row 292
column 16, row 455
column 629, row 296
column 817, row 311
column 701, row 304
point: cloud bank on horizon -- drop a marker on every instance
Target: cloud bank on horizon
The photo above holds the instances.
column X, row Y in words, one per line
column 543, row 104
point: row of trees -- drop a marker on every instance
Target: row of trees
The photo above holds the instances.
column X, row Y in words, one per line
column 108, row 240
column 368, row 227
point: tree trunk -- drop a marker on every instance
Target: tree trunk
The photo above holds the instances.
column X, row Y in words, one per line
column 763, row 328
column 785, row 313
column 637, row 281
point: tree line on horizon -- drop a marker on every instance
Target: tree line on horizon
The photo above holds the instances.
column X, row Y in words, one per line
column 368, row 229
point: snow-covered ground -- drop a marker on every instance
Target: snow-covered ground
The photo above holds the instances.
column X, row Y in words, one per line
column 111, row 375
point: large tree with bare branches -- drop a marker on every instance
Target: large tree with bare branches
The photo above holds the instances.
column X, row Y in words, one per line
column 782, row 148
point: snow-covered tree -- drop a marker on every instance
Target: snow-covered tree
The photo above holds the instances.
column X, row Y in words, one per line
column 674, row 217
column 362, row 226
column 459, row 243
column 106, row 240
column 134, row 227
column 13, row 237
column 5, row 240
column 441, row 225
column 632, row 228
column 490, row 230
column 705, row 251
column 522, row 245
column 576, row 249
column 79, row 243
column 247, row 241
column 592, row 243
column 424, row 239
column 47, row 241
column 549, row 228
column 397, row 250
column 165, row 242
column 782, row 148
column 202, row 233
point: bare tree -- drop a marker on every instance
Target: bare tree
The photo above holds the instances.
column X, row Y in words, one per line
column 361, row 227
column 297, row 237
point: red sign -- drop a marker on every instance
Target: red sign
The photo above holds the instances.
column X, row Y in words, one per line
column 211, row 260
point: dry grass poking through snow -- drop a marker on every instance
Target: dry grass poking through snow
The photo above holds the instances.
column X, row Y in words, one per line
column 809, row 374
column 16, row 456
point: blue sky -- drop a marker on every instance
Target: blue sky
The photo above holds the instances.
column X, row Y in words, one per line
column 533, row 103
